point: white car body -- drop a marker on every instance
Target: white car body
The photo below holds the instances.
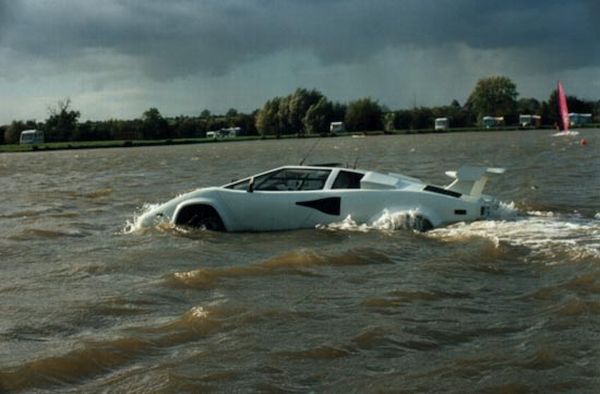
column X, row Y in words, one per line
column 295, row 197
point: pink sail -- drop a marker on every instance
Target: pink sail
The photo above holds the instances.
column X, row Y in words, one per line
column 562, row 108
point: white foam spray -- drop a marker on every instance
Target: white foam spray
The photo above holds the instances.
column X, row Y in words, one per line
column 548, row 235
column 388, row 221
column 135, row 224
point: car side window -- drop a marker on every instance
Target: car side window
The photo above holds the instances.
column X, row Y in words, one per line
column 347, row 180
column 241, row 185
column 291, row 179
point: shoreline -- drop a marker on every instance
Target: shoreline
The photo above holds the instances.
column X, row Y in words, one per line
column 75, row 145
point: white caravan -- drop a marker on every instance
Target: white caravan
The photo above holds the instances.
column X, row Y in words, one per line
column 441, row 124
column 32, row 137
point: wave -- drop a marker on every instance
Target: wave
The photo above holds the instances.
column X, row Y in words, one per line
column 32, row 212
column 580, row 286
column 324, row 352
column 551, row 236
column 294, row 263
column 99, row 193
column 380, row 338
column 101, row 357
column 89, row 360
column 566, row 133
column 401, row 297
column 33, row 233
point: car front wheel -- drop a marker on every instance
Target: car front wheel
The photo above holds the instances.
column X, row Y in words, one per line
column 200, row 216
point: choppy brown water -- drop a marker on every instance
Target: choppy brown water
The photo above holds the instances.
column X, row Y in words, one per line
column 87, row 303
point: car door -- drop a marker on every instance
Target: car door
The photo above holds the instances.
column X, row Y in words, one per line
column 268, row 202
column 313, row 203
column 256, row 210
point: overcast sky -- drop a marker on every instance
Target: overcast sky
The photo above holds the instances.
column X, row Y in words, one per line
column 117, row 58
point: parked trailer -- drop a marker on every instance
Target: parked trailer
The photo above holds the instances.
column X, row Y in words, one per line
column 230, row 132
column 442, row 124
column 530, row 120
column 336, row 127
column 493, row 121
column 32, row 137
column 579, row 119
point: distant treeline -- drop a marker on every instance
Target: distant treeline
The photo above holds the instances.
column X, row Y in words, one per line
column 63, row 125
column 304, row 112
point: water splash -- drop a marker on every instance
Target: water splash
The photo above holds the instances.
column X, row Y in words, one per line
column 135, row 224
column 551, row 236
column 388, row 221
column 198, row 312
column 348, row 224
column 505, row 211
column 548, row 235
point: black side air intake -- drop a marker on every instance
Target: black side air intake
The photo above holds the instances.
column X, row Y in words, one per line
column 439, row 190
column 329, row 205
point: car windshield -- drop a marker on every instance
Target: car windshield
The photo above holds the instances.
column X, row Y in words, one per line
column 287, row 179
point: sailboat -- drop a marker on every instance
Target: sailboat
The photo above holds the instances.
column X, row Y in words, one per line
column 563, row 111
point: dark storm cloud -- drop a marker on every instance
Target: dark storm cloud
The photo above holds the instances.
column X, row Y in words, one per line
column 178, row 38
column 4, row 16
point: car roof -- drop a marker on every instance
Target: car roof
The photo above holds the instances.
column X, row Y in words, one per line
column 298, row 167
column 319, row 167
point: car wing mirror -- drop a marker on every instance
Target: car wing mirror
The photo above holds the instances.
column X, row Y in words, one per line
column 250, row 188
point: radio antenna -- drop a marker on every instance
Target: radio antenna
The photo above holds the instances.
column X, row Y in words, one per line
column 310, row 151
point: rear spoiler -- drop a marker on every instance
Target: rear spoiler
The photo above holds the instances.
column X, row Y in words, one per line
column 471, row 179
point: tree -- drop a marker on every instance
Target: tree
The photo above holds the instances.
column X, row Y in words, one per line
column 403, row 119
column 339, row 112
column 363, row 114
column 458, row 116
column 283, row 116
column 154, row 125
column 494, row 96
column 267, row 118
column 422, row 118
column 286, row 115
column 230, row 117
column 246, row 122
column 299, row 103
column 61, row 125
column 389, row 121
column 528, row 106
column 318, row 117
column 184, row 127
column 13, row 132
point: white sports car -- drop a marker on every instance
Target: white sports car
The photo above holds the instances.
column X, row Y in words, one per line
column 294, row 197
